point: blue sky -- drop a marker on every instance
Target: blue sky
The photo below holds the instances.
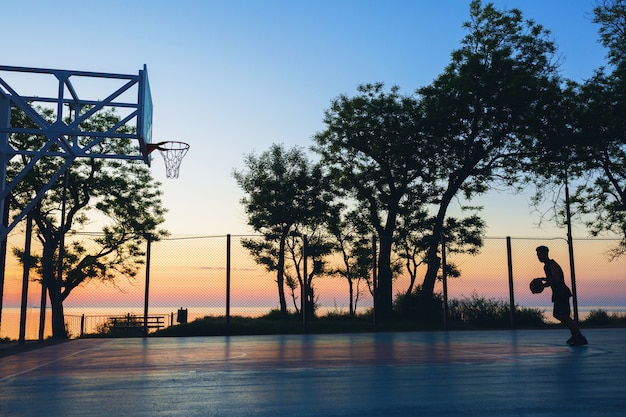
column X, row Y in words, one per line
column 232, row 77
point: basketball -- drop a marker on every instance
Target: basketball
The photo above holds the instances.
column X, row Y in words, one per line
column 536, row 285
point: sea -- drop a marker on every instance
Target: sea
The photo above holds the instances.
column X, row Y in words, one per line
column 91, row 319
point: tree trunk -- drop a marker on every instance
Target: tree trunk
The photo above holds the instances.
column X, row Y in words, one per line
column 412, row 276
column 58, row 316
column 351, row 290
column 280, row 276
column 53, row 284
column 384, row 294
column 432, row 257
column 434, row 263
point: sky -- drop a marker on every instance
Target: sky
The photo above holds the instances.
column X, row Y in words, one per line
column 231, row 77
column 234, row 77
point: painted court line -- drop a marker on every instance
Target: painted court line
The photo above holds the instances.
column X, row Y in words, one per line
column 41, row 365
column 50, row 362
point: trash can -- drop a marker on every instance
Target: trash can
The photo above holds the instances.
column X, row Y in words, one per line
column 181, row 318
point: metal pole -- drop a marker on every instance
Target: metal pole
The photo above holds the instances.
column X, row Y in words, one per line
column 305, row 286
column 3, row 252
column 147, row 292
column 42, row 309
column 570, row 246
column 568, row 219
column 374, row 281
column 228, row 284
column 26, row 264
column 510, row 269
column 5, row 121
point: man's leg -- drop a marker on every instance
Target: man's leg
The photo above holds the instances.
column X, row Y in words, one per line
column 562, row 313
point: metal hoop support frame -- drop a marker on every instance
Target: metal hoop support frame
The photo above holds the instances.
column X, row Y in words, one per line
column 173, row 153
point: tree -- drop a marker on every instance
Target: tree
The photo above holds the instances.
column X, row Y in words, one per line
column 351, row 237
column 611, row 16
column 488, row 109
column 588, row 146
column 284, row 191
column 317, row 249
column 461, row 236
column 122, row 192
column 375, row 155
column 599, row 137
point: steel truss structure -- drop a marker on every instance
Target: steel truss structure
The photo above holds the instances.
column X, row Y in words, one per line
column 71, row 98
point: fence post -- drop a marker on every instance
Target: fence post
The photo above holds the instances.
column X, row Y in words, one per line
column 42, row 309
column 444, row 274
column 147, row 290
column 26, row 266
column 570, row 247
column 510, row 269
column 228, row 284
column 5, row 121
column 374, row 282
column 305, row 286
column 4, row 206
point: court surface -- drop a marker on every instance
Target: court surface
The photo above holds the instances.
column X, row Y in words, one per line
column 481, row 373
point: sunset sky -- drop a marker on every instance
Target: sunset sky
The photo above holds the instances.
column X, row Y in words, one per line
column 233, row 77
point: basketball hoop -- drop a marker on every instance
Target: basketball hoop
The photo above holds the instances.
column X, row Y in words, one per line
column 173, row 153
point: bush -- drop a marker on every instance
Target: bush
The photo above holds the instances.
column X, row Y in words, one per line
column 276, row 314
column 527, row 317
column 419, row 306
column 474, row 312
column 600, row 318
column 490, row 313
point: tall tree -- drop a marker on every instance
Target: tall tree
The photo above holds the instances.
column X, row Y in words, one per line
column 283, row 191
column 373, row 150
column 488, row 108
column 121, row 193
column 588, row 147
column 598, row 141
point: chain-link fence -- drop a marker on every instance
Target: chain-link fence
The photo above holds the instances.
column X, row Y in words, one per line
column 203, row 276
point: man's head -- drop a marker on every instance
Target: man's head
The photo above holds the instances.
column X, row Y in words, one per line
column 542, row 253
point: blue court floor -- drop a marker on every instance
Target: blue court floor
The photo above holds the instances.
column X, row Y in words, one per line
column 481, row 373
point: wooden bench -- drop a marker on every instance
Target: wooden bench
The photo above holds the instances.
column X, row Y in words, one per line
column 131, row 324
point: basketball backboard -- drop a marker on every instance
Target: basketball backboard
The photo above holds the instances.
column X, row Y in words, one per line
column 75, row 97
column 145, row 118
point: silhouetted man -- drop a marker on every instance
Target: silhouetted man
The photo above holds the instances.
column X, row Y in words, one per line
column 560, row 296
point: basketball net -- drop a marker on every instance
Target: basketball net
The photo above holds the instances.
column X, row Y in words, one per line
column 173, row 153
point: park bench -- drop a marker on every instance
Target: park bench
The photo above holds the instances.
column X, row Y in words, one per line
column 132, row 324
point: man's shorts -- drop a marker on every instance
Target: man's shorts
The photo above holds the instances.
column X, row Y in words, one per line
column 561, row 307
